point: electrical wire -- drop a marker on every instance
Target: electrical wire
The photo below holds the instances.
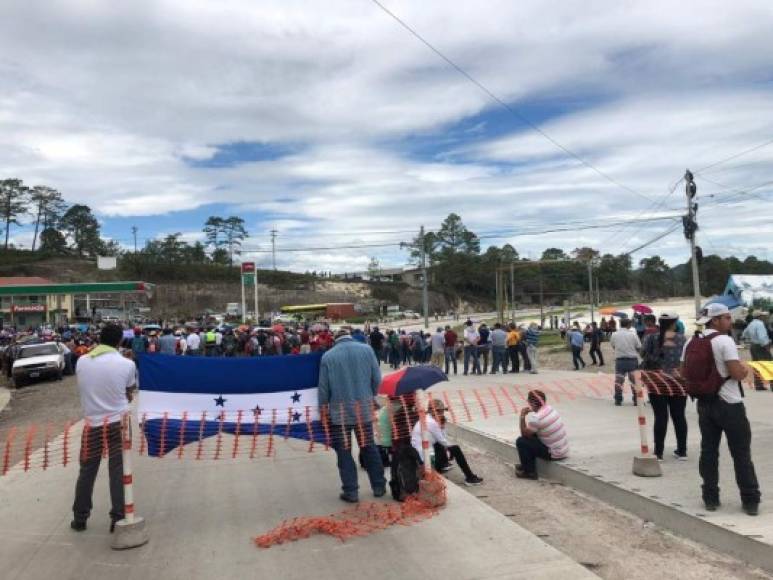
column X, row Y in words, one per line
column 736, row 156
column 506, row 106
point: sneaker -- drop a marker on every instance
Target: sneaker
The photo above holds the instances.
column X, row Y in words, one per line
column 680, row 456
column 751, row 509
column 349, row 498
column 711, row 506
column 446, row 468
column 618, row 403
column 660, row 458
column 533, row 372
column 78, row 526
column 520, row 474
column 473, row 480
column 379, row 492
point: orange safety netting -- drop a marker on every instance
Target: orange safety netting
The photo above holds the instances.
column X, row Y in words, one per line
column 363, row 519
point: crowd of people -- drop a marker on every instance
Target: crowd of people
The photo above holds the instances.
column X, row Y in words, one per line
column 503, row 348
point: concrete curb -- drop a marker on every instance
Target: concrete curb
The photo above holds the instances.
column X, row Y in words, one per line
column 681, row 523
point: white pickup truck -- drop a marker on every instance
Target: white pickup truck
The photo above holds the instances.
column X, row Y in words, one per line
column 35, row 361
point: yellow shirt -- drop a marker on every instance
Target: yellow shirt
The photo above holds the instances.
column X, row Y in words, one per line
column 513, row 338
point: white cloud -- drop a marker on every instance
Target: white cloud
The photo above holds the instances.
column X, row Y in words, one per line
column 110, row 100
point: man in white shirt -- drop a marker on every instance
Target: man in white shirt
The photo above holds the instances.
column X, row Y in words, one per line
column 105, row 382
column 756, row 334
column 471, row 339
column 724, row 413
column 439, row 443
column 626, row 344
column 438, row 348
column 542, row 435
column 194, row 343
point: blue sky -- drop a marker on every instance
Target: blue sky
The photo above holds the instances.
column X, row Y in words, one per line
column 335, row 126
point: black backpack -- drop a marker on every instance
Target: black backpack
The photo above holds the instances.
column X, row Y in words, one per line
column 406, row 473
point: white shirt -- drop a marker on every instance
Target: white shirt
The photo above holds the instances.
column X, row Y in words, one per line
column 724, row 349
column 102, row 383
column 194, row 341
column 436, row 435
column 218, row 338
column 438, row 342
column 183, row 344
column 549, row 427
column 471, row 336
column 626, row 343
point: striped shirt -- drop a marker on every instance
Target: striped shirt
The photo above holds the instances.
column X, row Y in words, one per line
column 549, row 427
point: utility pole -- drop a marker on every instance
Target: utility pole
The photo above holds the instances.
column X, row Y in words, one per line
column 690, row 227
column 273, row 247
column 134, row 233
column 424, row 295
column 541, row 299
column 590, row 288
column 512, row 292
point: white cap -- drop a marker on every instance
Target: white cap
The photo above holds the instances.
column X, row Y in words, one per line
column 669, row 315
column 712, row 311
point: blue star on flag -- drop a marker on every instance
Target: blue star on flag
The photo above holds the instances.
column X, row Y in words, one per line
column 220, row 401
column 296, row 417
column 296, row 397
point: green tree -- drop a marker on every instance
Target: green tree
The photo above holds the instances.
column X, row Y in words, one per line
column 374, row 268
column 220, row 256
column 655, row 276
column 453, row 237
column 213, row 228
column 585, row 254
column 13, row 203
column 52, row 241
column 234, row 233
column 554, row 254
column 48, row 205
column 82, row 228
column 614, row 272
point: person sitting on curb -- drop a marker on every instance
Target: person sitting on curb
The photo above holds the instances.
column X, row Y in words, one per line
column 440, row 444
column 542, row 435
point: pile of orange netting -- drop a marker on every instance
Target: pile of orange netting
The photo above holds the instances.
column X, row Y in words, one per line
column 366, row 518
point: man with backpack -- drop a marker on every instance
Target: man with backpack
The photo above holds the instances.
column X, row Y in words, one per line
column 713, row 373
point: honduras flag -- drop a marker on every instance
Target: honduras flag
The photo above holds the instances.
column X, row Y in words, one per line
column 184, row 398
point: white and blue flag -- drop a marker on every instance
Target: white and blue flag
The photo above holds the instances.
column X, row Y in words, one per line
column 214, row 395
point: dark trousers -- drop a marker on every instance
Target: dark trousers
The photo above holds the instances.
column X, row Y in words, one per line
column 577, row 357
column 483, row 352
column 450, row 352
column 377, row 351
column 471, row 352
column 595, row 349
column 515, row 360
column 499, row 359
column 341, row 441
column 92, row 442
column 523, row 349
column 662, row 406
column 760, row 353
column 529, row 449
column 441, row 458
column 715, row 417
column 623, row 367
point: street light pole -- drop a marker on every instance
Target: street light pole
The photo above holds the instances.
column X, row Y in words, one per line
column 424, row 293
column 590, row 288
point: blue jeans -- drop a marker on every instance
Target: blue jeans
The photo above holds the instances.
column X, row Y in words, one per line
column 623, row 367
column 450, row 358
column 341, row 440
column 499, row 359
column 577, row 357
column 471, row 352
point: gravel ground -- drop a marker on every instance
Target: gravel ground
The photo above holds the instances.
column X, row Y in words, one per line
column 612, row 543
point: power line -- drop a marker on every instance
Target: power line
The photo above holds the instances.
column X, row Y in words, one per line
column 736, row 156
column 503, row 104
column 668, row 232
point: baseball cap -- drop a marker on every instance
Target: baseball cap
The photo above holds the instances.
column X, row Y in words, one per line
column 712, row 311
column 669, row 315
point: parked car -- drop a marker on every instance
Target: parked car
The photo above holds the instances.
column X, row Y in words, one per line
column 35, row 361
column 411, row 314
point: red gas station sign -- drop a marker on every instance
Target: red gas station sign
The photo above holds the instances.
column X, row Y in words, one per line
column 248, row 267
column 27, row 308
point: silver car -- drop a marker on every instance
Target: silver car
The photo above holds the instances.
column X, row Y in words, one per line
column 37, row 361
